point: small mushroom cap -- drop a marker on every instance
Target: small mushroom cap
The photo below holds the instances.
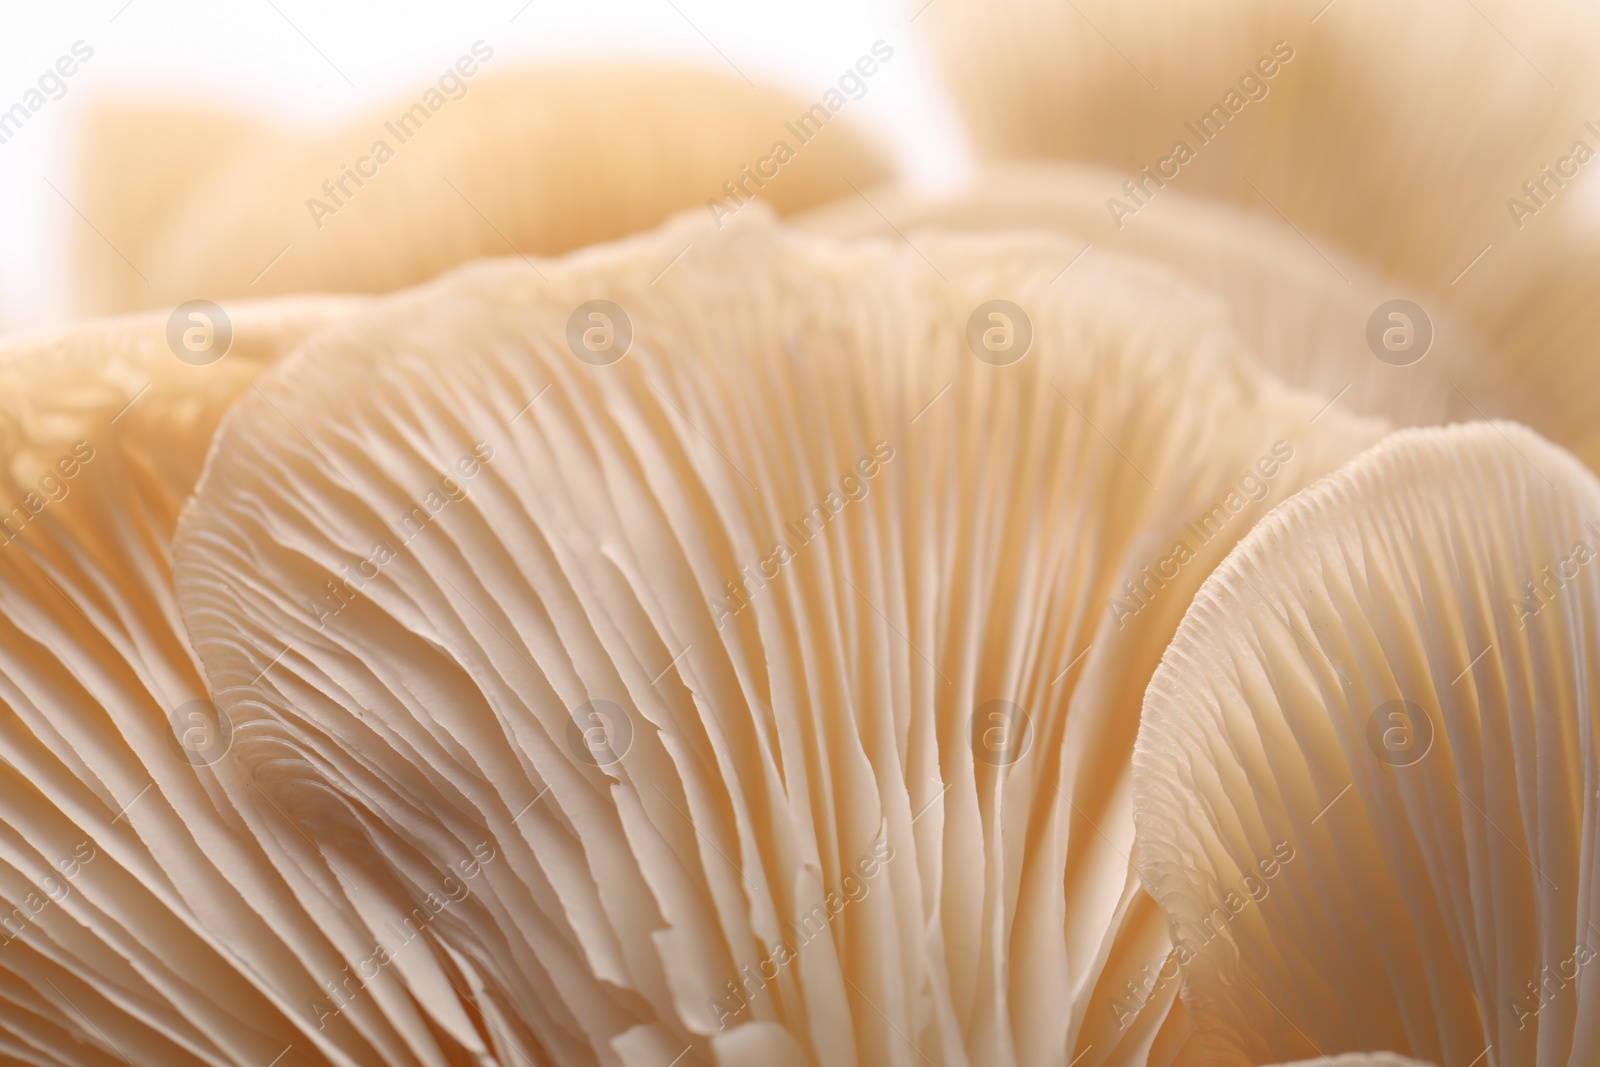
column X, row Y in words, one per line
column 1366, row 780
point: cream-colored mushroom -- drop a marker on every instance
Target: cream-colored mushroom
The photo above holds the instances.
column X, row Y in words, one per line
column 1366, row 780
column 138, row 923
column 1446, row 145
column 1303, row 311
column 781, row 645
column 531, row 162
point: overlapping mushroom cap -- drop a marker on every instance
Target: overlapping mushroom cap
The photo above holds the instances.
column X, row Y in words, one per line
column 770, row 693
column 485, row 160
column 728, row 646
column 1367, row 776
column 1445, row 145
column 1304, row 311
column 138, row 920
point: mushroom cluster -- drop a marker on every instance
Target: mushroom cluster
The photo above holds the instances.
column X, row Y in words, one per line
column 1021, row 632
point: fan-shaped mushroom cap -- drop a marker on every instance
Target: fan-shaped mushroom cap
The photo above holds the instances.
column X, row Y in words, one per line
column 1447, row 145
column 531, row 162
column 1302, row 311
column 139, row 925
column 758, row 651
column 1366, row 780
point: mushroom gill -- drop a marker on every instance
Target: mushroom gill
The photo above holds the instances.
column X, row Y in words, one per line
column 1301, row 310
column 680, row 661
column 137, row 920
column 1366, row 779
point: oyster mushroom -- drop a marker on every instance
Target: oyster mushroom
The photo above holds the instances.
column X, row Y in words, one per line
column 1326, row 116
column 533, row 162
column 1304, row 312
column 779, row 707
column 1366, row 779
column 138, row 922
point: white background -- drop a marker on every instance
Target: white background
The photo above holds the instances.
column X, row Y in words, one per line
column 262, row 56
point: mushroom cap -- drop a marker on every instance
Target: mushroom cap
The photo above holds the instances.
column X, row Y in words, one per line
column 1302, row 310
column 1366, row 779
column 535, row 161
column 1445, row 145
column 139, row 922
column 781, row 658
